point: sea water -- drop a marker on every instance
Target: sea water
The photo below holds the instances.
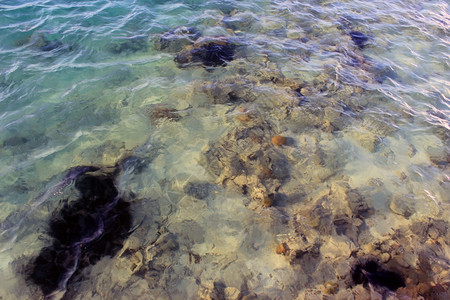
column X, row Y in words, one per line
column 359, row 89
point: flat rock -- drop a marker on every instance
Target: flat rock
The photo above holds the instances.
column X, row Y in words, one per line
column 403, row 205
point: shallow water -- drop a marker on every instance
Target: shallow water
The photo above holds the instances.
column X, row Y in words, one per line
column 219, row 211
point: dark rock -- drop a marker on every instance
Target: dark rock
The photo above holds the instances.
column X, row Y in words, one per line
column 369, row 271
column 343, row 226
column 176, row 39
column 357, row 204
column 41, row 42
column 210, row 54
column 83, row 231
column 359, row 38
column 430, row 229
column 199, row 190
column 51, row 45
column 14, row 141
column 321, row 219
column 420, row 229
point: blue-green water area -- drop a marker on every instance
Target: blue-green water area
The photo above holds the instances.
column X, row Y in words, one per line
column 224, row 149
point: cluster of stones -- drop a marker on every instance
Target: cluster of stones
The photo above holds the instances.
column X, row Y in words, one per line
column 329, row 234
column 246, row 160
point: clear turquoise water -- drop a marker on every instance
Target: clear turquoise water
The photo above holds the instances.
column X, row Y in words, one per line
column 85, row 103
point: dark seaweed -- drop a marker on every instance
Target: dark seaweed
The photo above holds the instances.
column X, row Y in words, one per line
column 371, row 272
column 359, row 38
column 83, row 231
column 209, row 55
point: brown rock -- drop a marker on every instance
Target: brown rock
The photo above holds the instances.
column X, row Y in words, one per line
column 281, row 249
column 243, row 117
column 267, row 201
column 160, row 111
column 279, row 140
column 266, row 172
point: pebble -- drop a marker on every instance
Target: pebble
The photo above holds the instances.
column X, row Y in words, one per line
column 385, row 257
column 281, row 249
column 279, row 140
column 267, row 201
column 243, row 117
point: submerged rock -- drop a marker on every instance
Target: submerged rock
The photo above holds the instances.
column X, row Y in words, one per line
column 228, row 90
column 83, row 231
column 358, row 205
column 14, row 141
column 268, row 200
column 198, row 190
column 279, row 140
column 176, row 39
column 403, row 205
column 41, row 42
column 50, row 45
column 129, row 45
column 161, row 111
column 213, row 53
column 282, row 249
column 439, row 156
column 359, row 38
column 366, row 140
column 369, row 271
column 239, row 21
column 245, row 160
column 425, row 229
